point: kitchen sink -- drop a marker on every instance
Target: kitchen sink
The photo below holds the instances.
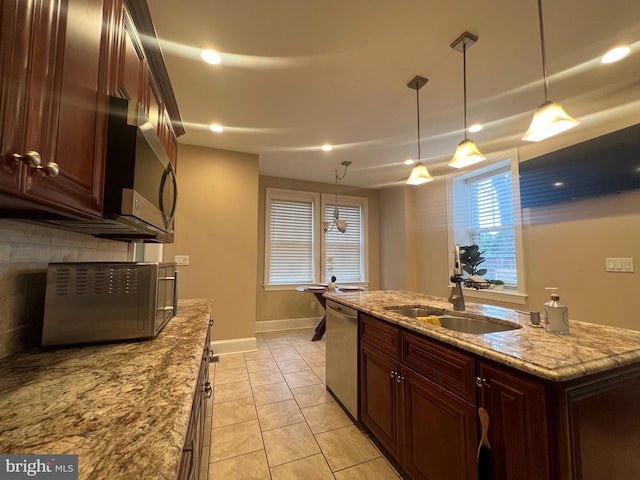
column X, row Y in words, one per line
column 459, row 324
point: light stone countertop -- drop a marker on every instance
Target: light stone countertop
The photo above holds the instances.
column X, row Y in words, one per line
column 589, row 348
column 123, row 408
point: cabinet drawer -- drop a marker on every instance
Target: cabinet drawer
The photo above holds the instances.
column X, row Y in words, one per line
column 452, row 370
column 381, row 334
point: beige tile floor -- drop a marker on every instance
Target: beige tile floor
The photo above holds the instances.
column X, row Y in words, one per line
column 272, row 418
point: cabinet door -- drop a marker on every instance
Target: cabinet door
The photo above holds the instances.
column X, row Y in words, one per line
column 440, row 432
column 53, row 101
column 379, row 405
column 517, row 424
column 31, row 36
column 78, row 145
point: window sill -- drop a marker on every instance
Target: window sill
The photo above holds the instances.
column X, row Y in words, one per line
column 275, row 288
column 506, row 296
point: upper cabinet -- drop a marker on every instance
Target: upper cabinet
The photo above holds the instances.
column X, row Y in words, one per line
column 52, row 137
column 139, row 73
column 61, row 60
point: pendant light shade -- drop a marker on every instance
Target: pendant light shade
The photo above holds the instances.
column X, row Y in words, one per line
column 467, row 153
column 549, row 119
column 419, row 173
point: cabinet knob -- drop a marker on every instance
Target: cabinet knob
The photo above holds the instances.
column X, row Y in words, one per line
column 51, row 169
column 482, row 382
column 32, row 159
column 399, row 378
column 392, row 374
column 208, row 391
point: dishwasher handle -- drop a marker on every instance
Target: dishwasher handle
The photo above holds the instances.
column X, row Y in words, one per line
column 344, row 316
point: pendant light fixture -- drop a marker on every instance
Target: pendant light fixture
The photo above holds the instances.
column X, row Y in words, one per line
column 467, row 152
column 340, row 225
column 419, row 173
column 549, row 118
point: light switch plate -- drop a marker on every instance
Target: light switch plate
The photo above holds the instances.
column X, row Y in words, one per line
column 181, row 259
column 619, row 265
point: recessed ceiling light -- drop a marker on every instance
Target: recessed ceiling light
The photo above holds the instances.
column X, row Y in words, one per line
column 558, row 184
column 409, row 161
column 327, row 148
column 476, row 127
column 214, row 127
column 615, row 54
column 211, row 56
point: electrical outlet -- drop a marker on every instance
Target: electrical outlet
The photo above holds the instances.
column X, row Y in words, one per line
column 181, row 259
column 313, row 305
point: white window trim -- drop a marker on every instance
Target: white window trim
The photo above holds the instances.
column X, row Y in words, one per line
column 520, row 295
column 347, row 200
column 294, row 195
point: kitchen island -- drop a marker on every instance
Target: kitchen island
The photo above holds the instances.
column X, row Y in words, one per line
column 560, row 406
column 123, row 408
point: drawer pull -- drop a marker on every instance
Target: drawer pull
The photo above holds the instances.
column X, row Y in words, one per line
column 32, row 159
column 208, row 391
column 482, row 382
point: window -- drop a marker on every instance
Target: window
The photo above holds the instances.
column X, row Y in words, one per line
column 343, row 252
column 289, row 237
column 485, row 212
column 298, row 252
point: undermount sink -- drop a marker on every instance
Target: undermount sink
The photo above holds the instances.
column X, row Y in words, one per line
column 459, row 324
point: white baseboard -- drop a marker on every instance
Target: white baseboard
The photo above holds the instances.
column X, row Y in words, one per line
column 287, row 324
column 235, row 345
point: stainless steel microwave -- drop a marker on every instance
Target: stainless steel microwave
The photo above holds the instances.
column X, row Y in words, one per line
column 140, row 187
column 87, row 302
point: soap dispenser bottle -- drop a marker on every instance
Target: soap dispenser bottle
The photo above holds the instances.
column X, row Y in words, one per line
column 556, row 315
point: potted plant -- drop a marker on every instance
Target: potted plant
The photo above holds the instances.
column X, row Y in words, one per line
column 470, row 258
column 497, row 284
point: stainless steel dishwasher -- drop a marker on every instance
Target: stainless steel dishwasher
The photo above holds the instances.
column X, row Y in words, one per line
column 342, row 355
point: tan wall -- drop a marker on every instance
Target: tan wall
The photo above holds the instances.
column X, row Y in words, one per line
column 25, row 252
column 216, row 225
column 290, row 304
column 565, row 246
column 394, row 266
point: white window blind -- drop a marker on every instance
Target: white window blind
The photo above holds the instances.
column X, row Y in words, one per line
column 492, row 224
column 346, row 249
column 290, row 245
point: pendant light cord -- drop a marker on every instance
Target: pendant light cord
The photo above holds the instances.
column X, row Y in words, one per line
column 464, row 83
column 418, row 114
column 544, row 54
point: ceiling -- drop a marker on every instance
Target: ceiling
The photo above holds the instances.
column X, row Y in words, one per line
column 296, row 74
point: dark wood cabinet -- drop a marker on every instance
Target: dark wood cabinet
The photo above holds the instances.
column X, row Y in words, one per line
column 193, row 464
column 380, row 402
column 138, row 78
column 518, row 434
column 440, row 431
column 428, row 430
column 52, row 88
column 419, row 398
column 61, row 60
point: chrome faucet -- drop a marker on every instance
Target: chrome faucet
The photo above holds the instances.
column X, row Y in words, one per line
column 455, row 293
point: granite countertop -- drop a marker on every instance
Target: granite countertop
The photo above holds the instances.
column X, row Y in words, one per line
column 588, row 349
column 123, row 408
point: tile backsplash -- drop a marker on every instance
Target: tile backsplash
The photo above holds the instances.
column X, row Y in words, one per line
column 25, row 251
